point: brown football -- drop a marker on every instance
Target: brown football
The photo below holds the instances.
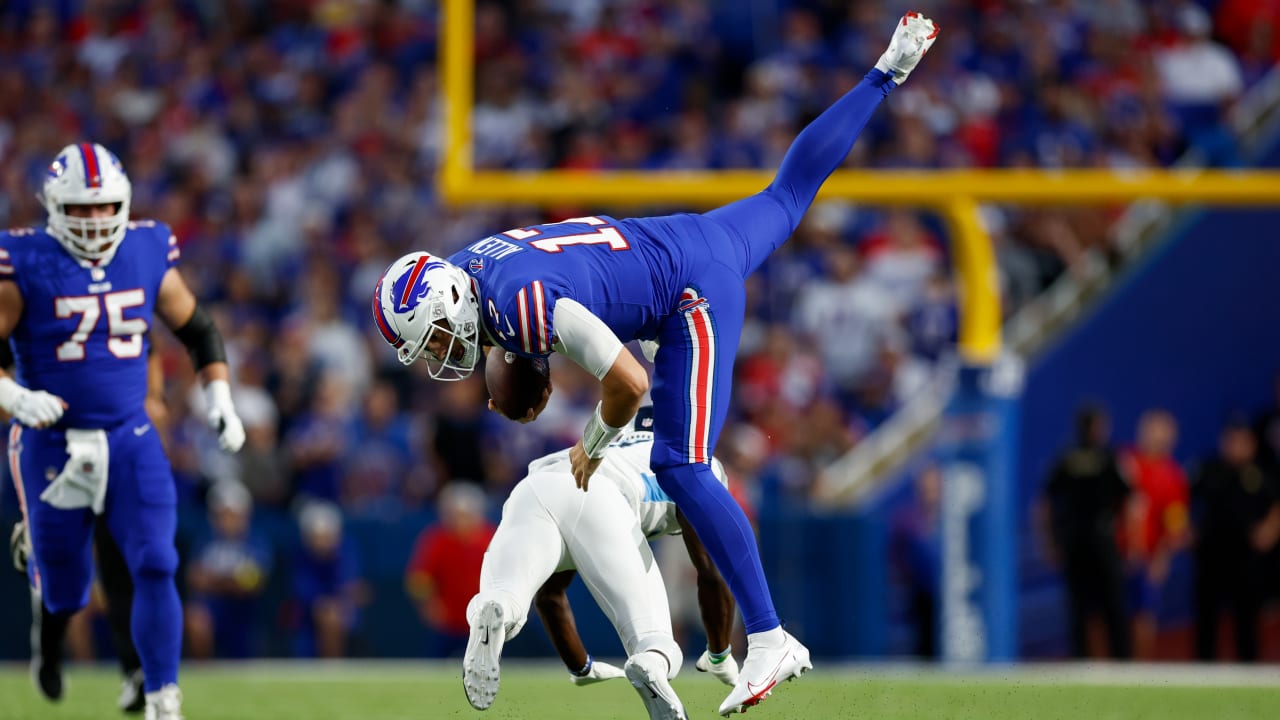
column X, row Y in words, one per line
column 515, row 383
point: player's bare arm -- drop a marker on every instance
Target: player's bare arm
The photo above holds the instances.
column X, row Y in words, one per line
column 622, row 390
column 177, row 307
column 157, row 411
column 588, row 341
column 552, row 604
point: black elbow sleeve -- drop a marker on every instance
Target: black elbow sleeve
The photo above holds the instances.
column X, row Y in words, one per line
column 202, row 340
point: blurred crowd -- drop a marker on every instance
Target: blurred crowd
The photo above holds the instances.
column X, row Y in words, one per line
column 291, row 146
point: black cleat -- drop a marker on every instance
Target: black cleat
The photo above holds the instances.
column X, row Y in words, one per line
column 47, row 677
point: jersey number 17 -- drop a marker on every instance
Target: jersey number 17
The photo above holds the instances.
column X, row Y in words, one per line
column 605, row 234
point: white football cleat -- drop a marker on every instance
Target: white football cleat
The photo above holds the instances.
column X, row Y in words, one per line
column 912, row 38
column 767, row 664
column 647, row 672
column 164, row 704
column 726, row 671
column 480, row 676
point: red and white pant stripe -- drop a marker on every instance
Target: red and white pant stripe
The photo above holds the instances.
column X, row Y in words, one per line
column 702, row 344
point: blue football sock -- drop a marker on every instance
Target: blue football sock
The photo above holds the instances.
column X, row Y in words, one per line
column 157, row 627
column 822, row 146
column 724, row 530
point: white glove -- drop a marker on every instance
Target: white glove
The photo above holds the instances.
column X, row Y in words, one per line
column 35, row 409
column 912, row 38
column 726, row 671
column 222, row 416
column 599, row 672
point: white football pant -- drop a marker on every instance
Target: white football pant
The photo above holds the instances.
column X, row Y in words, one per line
column 549, row 525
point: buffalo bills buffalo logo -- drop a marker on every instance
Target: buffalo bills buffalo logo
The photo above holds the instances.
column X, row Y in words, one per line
column 412, row 287
column 691, row 301
column 58, row 167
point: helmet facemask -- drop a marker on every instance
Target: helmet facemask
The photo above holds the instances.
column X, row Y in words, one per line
column 460, row 353
column 426, row 309
column 87, row 175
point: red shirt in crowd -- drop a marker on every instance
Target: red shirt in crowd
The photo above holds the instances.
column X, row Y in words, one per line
column 449, row 562
column 1161, row 494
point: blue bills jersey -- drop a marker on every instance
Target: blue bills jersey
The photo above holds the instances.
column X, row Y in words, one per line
column 83, row 334
column 628, row 274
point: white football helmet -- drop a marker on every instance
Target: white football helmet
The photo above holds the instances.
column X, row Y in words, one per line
column 87, row 174
column 413, row 297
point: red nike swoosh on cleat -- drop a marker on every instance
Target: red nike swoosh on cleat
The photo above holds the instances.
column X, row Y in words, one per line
column 773, row 680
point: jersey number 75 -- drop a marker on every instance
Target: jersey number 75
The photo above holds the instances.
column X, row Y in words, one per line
column 126, row 333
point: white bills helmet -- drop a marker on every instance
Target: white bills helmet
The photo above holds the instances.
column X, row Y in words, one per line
column 413, row 297
column 87, row 174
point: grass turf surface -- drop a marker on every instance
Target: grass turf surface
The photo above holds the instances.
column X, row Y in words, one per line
column 393, row 691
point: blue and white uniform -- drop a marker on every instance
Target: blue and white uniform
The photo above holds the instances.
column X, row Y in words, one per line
column 83, row 336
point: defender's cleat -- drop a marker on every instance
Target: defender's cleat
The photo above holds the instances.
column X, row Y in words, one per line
column 480, row 673
column 912, row 38
column 164, row 704
column 647, row 672
column 132, row 699
column 765, row 667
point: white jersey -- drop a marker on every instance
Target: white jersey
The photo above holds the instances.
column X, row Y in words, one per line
column 627, row 465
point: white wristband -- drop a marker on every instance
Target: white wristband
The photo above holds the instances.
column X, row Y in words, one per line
column 218, row 393
column 597, row 435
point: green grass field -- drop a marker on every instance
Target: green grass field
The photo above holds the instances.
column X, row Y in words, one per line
column 404, row 691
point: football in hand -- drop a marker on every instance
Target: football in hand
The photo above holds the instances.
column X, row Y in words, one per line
column 515, row 383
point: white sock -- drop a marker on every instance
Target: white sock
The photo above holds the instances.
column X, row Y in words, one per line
column 768, row 638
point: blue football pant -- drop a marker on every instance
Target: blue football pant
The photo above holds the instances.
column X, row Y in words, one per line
column 141, row 514
column 694, row 367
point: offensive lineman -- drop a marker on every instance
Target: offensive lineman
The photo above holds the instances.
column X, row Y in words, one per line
column 549, row 530
column 48, row 633
column 585, row 286
column 75, row 306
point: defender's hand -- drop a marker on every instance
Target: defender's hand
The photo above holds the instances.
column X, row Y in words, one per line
column 726, row 671
column 222, row 416
column 599, row 672
column 35, row 409
column 583, row 466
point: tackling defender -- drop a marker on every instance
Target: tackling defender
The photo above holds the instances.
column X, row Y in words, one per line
column 75, row 307
column 584, row 286
column 549, row 530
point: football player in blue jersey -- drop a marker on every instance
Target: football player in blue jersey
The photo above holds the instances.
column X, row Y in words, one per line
column 48, row 632
column 76, row 298
column 585, row 286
